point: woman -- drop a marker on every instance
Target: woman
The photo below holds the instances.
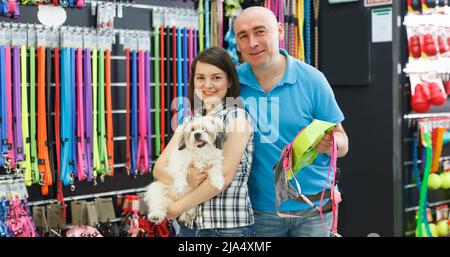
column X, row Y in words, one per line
column 225, row 212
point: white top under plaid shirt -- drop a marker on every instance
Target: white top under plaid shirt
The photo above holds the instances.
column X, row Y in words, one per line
column 230, row 208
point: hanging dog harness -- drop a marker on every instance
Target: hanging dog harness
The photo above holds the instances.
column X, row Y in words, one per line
column 297, row 155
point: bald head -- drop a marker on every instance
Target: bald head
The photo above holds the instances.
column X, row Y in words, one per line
column 264, row 15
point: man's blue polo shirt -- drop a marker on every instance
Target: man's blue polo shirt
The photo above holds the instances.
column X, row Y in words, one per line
column 301, row 96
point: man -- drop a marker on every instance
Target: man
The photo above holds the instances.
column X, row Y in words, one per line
column 283, row 95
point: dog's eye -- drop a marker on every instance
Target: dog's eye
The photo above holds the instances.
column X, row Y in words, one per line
column 192, row 129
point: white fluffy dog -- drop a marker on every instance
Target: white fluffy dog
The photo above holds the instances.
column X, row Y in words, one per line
column 200, row 146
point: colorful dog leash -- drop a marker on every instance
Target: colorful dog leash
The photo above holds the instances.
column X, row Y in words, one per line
column 49, row 100
column 175, row 76
column 179, row 78
column 148, row 93
column 185, row 73
column 109, row 120
column 88, row 112
column 95, row 142
column 142, row 154
column 33, row 134
column 17, row 109
column 103, row 154
column 9, row 106
column 43, row 158
column 157, row 86
column 73, row 128
column 169, row 84
column 134, row 117
column 25, row 129
column 128, row 114
column 81, row 147
column 162, row 90
column 4, row 112
column 4, row 151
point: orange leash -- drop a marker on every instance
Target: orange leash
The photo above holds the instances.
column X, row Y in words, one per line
column 109, row 124
column 43, row 159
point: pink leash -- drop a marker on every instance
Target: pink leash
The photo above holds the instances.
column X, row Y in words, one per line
column 80, row 121
column 9, row 106
column 334, row 197
column 142, row 153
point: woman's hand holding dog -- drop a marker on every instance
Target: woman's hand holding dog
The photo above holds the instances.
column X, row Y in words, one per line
column 196, row 177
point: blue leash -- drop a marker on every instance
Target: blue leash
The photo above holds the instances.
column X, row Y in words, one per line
column 134, row 114
column 207, row 24
column 179, row 78
column 73, row 135
column 66, row 119
column 3, row 109
column 185, row 71
column 307, row 9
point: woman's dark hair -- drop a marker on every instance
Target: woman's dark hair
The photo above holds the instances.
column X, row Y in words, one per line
column 220, row 58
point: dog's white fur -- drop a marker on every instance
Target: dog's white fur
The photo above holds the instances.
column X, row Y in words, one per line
column 200, row 146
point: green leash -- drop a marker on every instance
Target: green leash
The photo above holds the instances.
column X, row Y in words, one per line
column 104, row 170
column 424, row 188
column 156, row 92
column 33, row 142
column 25, row 131
column 97, row 165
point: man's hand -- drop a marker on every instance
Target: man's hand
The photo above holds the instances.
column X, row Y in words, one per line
column 326, row 145
column 196, row 177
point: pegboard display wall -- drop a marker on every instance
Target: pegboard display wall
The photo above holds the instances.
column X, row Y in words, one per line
column 134, row 18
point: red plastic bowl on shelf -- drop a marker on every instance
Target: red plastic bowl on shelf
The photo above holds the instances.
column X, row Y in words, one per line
column 419, row 101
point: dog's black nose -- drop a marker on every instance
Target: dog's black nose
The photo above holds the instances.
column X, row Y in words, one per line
column 197, row 136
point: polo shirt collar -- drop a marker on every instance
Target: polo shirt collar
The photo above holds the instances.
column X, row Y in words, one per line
column 248, row 78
